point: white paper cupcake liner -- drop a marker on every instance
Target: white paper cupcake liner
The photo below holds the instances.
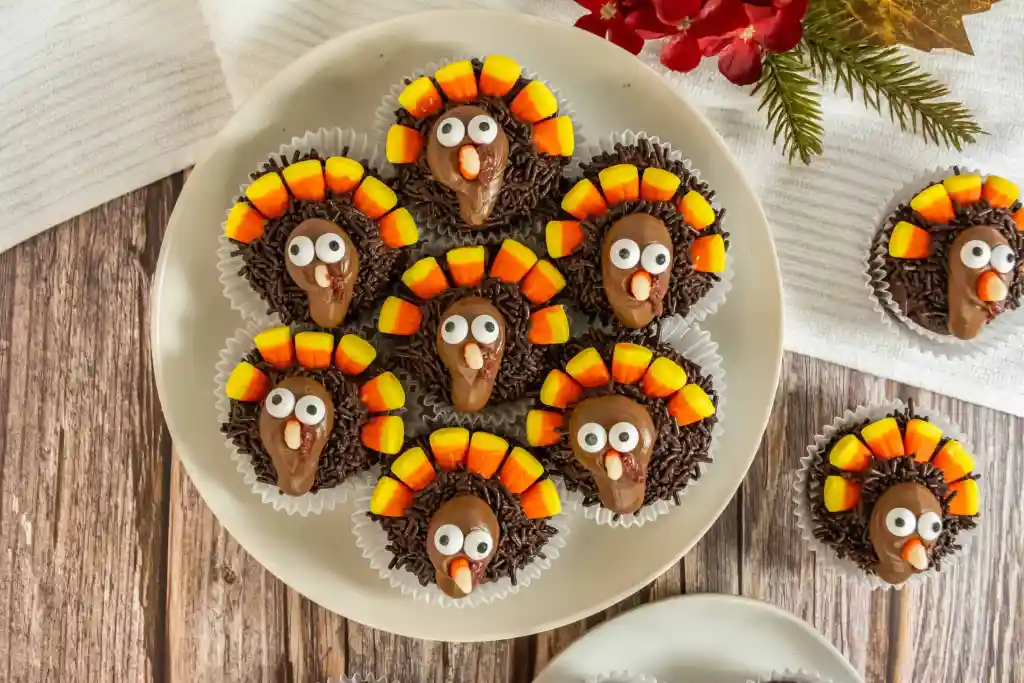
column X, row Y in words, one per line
column 802, row 505
column 695, row 345
column 798, row 676
column 711, row 301
column 372, row 540
column 327, row 142
column 622, row 677
column 1005, row 329
column 323, row 500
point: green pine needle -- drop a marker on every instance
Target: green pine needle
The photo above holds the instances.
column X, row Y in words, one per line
column 915, row 99
column 793, row 105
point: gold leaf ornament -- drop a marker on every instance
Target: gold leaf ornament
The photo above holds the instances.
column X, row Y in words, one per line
column 922, row 24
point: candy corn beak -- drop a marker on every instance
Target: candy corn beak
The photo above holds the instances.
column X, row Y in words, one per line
column 474, row 359
column 323, row 277
column 991, row 287
column 469, row 162
column 914, row 553
column 459, row 571
column 293, row 434
column 640, row 285
column 613, row 465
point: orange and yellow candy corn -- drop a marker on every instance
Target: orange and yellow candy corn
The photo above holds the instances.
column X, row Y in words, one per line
column 384, row 434
column 664, row 378
column 403, row 145
column 458, row 81
column 343, row 174
column 420, row 98
column 967, row 500
column 1000, row 192
column 398, row 316
column 374, row 198
column 584, row 200
column 382, row 393
column 588, row 368
column 850, row 454
column 244, row 223
column 658, row 185
column 909, row 241
column 450, row 446
column 520, row 470
column 467, row 265
column 390, row 498
column 354, row 354
column 883, row 438
column 562, row 237
column 921, row 439
column 247, row 383
column 696, row 211
column 963, row 189
column 268, row 194
column 690, row 404
column 425, row 278
column 541, row 500
column 305, row 179
column 1018, row 218
column 542, row 427
column 542, row 282
column 414, row 469
column 534, row 103
column 555, row 137
column 620, row 183
column 840, row 494
column 499, row 75
column 398, row 229
column 707, row 254
column 486, row 451
column 314, row 349
column 629, row 362
column 549, row 326
column 954, row 461
column 559, row 390
column 934, row 204
column 513, row 261
column 275, row 345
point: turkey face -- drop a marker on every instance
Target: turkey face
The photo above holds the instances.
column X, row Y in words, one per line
column 905, row 524
column 471, row 343
column 981, row 265
column 296, row 418
column 322, row 259
column 467, row 152
column 461, row 541
column 636, row 265
column 613, row 437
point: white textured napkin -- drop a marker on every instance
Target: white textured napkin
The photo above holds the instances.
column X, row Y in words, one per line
column 101, row 126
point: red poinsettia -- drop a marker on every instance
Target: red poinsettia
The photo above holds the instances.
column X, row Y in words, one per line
column 607, row 19
column 740, row 32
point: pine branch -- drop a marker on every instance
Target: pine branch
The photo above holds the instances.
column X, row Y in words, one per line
column 915, row 99
column 793, row 105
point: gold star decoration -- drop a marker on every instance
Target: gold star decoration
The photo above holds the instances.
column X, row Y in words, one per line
column 922, row 24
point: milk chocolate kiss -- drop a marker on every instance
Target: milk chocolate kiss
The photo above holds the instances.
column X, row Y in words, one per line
column 972, row 260
column 296, row 441
column 905, row 523
column 636, row 264
column 613, row 437
column 461, row 540
column 471, row 343
column 322, row 259
column 467, row 152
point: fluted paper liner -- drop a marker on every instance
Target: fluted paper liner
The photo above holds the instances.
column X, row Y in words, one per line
column 797, row 676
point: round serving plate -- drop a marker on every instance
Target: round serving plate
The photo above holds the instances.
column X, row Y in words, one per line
column 341, row 83
column 706, row 638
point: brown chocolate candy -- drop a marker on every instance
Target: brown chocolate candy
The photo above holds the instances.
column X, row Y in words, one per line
column 636, row 275
column 977, row 288
column 467, row 152
column 295, row 420
column 613, row 437
column 322, row 259
column 905, row 523
column 461, row 541
column 471, row 343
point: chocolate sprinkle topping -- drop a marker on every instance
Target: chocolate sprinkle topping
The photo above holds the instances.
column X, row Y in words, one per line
column 847, row 532
column 582, row 268
column 264, row 259
column 522, row 539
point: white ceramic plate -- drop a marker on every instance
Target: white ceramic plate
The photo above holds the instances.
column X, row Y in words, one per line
column 705, row 638
column 341, row 83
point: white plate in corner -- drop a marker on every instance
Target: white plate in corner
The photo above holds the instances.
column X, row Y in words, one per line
column 341, row 83
column 701, row 638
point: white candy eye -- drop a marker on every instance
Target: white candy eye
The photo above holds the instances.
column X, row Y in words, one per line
column 624, row 254
column 450, row 132
column 655, row 259
column 1003, row 258
column 975, row 254
column 623, row 437
column 454, row 329
column 900, row 522
column 330, row 248
column 592, row 437
column 310, row 410
column 448, row 539
column 300, row 251
column 478, row 544
column 929, row 526
column 279, row 403
column 483, row 129
column 485, row 329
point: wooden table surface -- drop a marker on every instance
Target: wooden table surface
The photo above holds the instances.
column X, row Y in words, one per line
column 113, row 569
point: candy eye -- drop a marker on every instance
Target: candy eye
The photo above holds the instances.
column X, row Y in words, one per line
column 279, row 403
column 592, row 437
column 625, row 254
column 929, row 526
column 450, row 132
column 485, row 329
column 478, row 544
column 483, row 129
column 655, row 259
column 448, row 539
column 330, row 248
column 310, row 410
column 300, row 251
column 1003, row 258
column 623, row 437
column 975, row 254
column 454, row 329
column 900, row 522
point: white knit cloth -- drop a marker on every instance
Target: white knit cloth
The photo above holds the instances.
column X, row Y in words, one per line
column 102, row 96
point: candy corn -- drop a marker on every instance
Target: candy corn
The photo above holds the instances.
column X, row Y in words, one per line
column 314, row 349
column 555, row 137
column 658, row 185
column 934, row 204
column 696, row 211
column 707, row 254
column 382, row 393
column 354, row 354
column 991, row 287
column 664, row 378
column 584, row 200
column 909, row 241
column 520, row 470
column 398, row 229
column 513, row 261
column 305, row 179
column 883, row 438
column 425, row 278
column 967, row 500
column 458, row 81
column 469, row 162
column 398, row 316
column 690, row 404
column 620, row 183
column 499, row 75
column 850, row 454
column 403, row 145
column 542, row 282
column 244, row 223
column 414, row 469
column 562, row 237
column 963, row 189
column 343, row 174
column 390, row 498
column 467, row 265
column 534, row 103
column 486, row 451
column 1018, row 218
column 921, row 439
column 275, row 345
column 629, row 362
column 542, row 427
column 541, row 500
column 420, row 98
column 247, row 383
column 374, row 198
column 268, row 194
column 588, row 368
column 954, row 461
column 1000, row 192
column 450, row 446
column 549, row 326
column 384, row 434
column 840, row 494
column 559, row 390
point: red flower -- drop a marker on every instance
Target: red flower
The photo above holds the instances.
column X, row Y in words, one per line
column 607, row 19
column 740, row 32
column 678, row 19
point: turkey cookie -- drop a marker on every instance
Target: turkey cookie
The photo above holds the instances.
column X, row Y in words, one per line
column 463, row 511
column 320, row 239
column 307, row 411
column 475, row 144
column 889, row 491
column 477, row 323
column 639, row 238
column 949, row 261
column 624, row 420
